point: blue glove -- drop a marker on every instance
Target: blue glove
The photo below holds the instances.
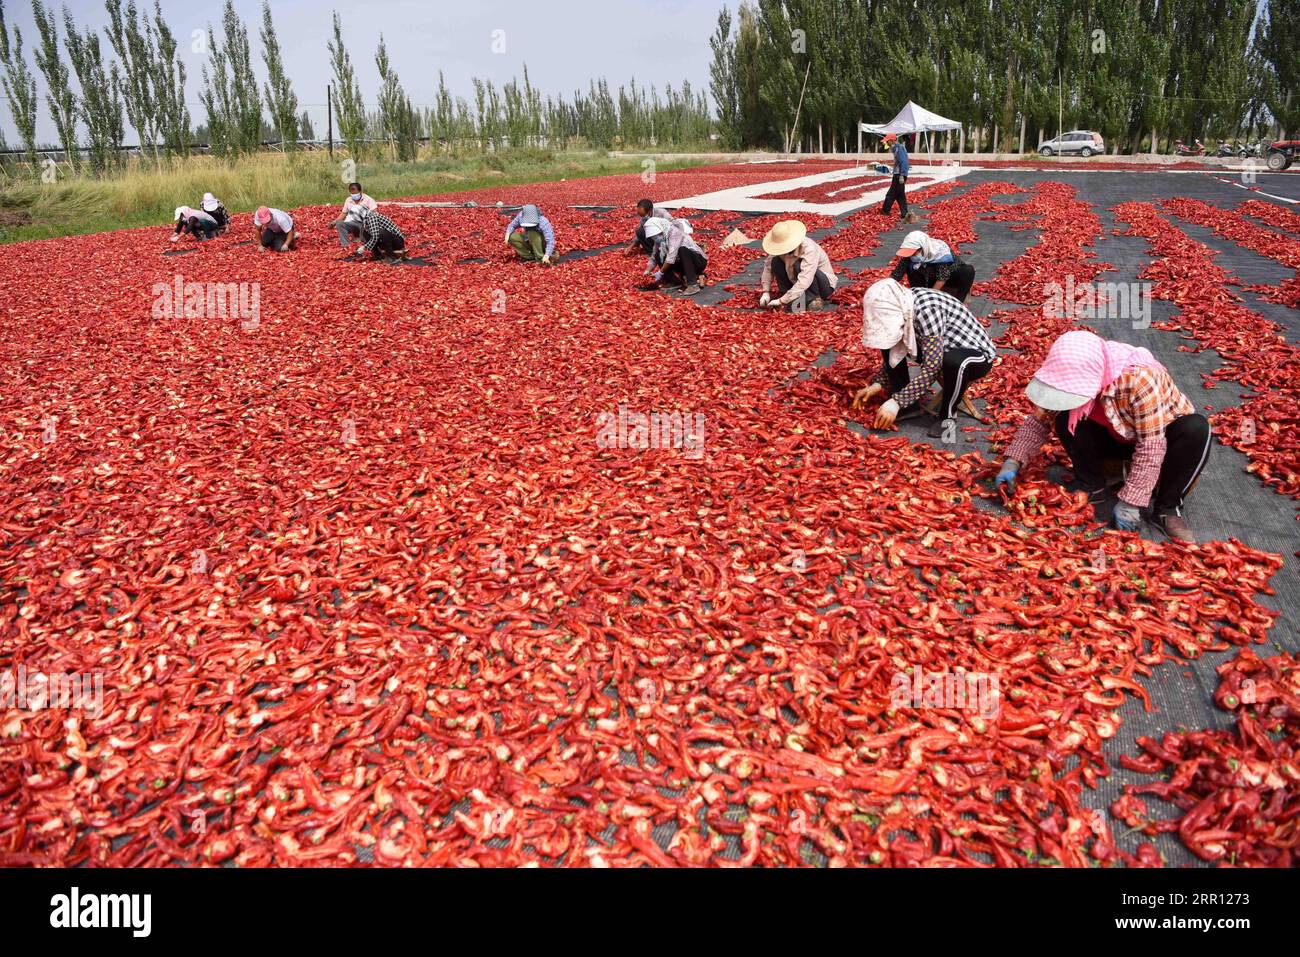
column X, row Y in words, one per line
column 1127, row 517
column 1007, row 477
column 658, row 277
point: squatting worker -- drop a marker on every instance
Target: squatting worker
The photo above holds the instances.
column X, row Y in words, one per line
column 349, row 227
column 217, row 210
column 936, row 330
column 675, row 256
column 1110, row 401
column 274, row 229
column 898, row 185
column 800, row 266
column 535, row 240
column 380, row 236
column 196, row 222
column 929, row 263
column 646, row 209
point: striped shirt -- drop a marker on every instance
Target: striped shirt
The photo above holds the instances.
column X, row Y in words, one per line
column 1136, row 408
column 376, row 226
column 942, row 322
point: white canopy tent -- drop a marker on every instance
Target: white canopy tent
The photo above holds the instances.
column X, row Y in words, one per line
column 910, row 119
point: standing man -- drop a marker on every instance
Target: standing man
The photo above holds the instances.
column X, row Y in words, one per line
column 535, row 240
column 898, row 187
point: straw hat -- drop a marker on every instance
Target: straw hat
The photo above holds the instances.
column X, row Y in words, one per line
column 784, row 237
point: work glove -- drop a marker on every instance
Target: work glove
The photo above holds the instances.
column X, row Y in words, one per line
column 764, row 299
column 1006, row 479
column 175, row 237
column 886, row 415
column 546, row 260
column 774, row 303
column 866, row 395
column 1127, row 517
column 658, row 276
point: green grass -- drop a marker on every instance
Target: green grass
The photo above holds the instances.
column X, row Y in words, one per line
column 143, row 195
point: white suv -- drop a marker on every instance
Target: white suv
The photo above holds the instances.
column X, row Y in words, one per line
column 1083, row 142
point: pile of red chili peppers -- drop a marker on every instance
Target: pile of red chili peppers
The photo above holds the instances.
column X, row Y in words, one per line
column 1239, row 790
column 362, row 584
column 1266, row 426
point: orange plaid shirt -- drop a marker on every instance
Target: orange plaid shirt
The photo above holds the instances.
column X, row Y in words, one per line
column 1139, row 406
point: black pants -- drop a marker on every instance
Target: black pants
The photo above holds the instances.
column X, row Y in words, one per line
column 897, row 191
column 1188, row 438
column 273, row 238
column 200, row 229
column 689, row 267
column 960, row 280
column 821, row 287
column 387, row 244
column 960, row 368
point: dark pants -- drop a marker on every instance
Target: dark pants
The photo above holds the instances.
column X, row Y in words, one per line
column 821, row 287
column 689, row 267
column 273, row 238
column 959, row 281
column 388, row 244
column 960, row 368
column 897, row 191
column 201, row 229
column 1188, row 449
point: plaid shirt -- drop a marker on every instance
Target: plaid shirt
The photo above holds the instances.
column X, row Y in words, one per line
column 375, row 226
column 1138, row 407
column 942, row 322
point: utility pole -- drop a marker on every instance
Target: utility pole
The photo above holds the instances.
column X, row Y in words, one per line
column 329, row 113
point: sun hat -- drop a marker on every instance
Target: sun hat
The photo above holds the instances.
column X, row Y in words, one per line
column 1078, row 367
column 262, row 216
column 888, row 309
column 913, row 242
column 210, row 202
column 529, row 216
column 784, row 237
column 654, row 226
column 180, row 211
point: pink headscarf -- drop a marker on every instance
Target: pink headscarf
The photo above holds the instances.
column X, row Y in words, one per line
column 262, row 216
column 1083, row 363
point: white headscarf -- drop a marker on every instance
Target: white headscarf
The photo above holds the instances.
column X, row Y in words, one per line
column 888, row 309
column 210, row 203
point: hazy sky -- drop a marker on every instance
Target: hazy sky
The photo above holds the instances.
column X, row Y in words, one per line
column 565, row 43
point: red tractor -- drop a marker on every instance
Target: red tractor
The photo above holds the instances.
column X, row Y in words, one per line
column 1282, row 154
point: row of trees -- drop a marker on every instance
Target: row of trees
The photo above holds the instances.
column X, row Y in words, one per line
column 142, row 84
column 1137, row 71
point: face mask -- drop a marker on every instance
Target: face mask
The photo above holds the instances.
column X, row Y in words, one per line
column 356, row 196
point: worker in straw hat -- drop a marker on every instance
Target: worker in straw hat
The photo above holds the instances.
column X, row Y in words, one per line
column 937, row 331
column 802, row 270
column 1113, row 403
column 898, row 185
column 531, row 236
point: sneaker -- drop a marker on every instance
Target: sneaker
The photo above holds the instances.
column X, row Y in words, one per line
column 1174, row 526
column 692, row 290
column 816, row 305
column 939, row 428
